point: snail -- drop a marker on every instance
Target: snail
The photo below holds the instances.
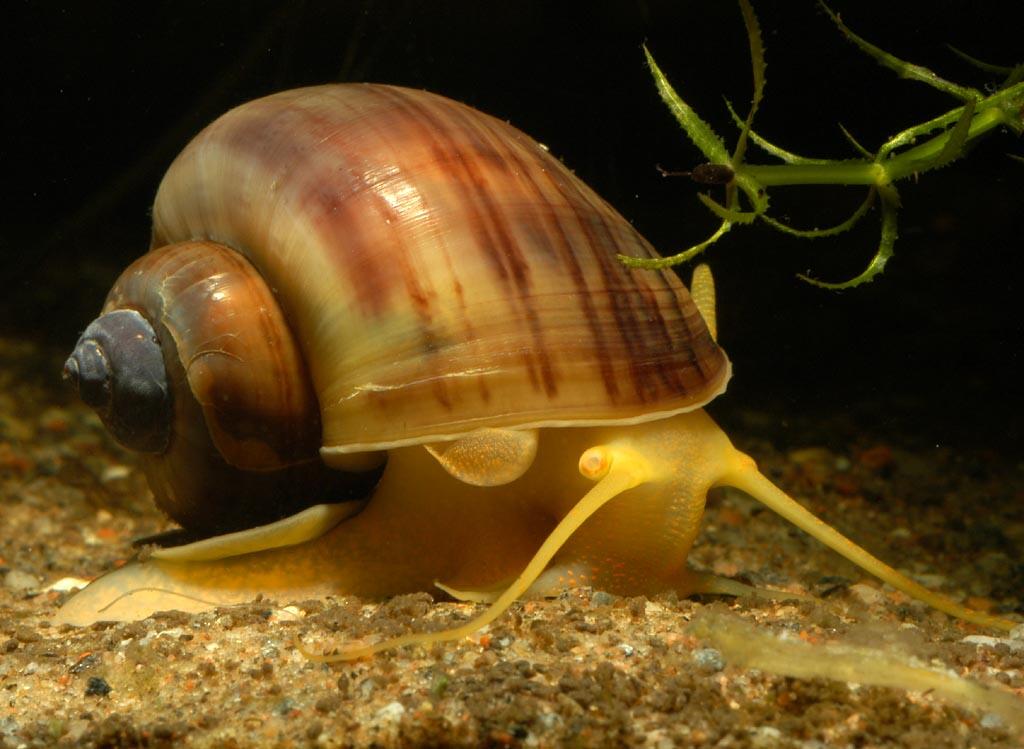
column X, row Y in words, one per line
column 391, row 334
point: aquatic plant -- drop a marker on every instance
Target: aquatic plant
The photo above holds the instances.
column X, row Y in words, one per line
column 898, row 158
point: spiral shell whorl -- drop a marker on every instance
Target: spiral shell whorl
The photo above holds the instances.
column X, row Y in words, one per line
column 239, row 357
column 441, row 270
column 241, row 438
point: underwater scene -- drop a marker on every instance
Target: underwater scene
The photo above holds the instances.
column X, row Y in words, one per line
column 462, row 374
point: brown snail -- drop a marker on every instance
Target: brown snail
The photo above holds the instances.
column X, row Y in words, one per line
column 355, row 276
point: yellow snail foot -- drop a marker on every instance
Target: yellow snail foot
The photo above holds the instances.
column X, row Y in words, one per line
column 220, row 571
column 616, row 468
column 141, row 589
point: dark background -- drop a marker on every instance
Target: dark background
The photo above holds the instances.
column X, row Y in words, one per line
column 98, row 100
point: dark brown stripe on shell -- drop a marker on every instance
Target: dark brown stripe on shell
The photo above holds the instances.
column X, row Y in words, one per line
column 695, row 340
column 288, row 135
column 647, row 301
column 647, row 340
column 545, row 229
column 494, row 237
column 622, row 287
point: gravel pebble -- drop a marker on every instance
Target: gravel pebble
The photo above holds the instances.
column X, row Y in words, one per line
column 97, row 686
column 708, row 660
column 19, row 580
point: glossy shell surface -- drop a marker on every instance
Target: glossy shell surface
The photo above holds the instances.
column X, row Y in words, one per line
column 248, row 377
column 440, row 270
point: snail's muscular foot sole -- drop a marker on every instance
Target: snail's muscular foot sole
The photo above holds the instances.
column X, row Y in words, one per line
column 138, row 590
column 202, row 575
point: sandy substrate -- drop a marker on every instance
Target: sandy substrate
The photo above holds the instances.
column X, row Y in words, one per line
column 585, row 669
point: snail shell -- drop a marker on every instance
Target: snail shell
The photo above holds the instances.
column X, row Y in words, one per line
column 346, row 269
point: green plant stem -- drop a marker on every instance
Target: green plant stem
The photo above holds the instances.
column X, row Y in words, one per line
column 841, row 173
column 892, row 169
column 921, row 148
column 910, row 160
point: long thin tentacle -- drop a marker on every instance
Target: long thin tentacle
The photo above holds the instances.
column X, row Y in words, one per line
column 745, row 476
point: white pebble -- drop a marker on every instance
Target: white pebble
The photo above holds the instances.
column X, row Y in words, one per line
column 115, row 473
column 765, row 736
column 993, row 641
column 391, row 712
column 991, row 720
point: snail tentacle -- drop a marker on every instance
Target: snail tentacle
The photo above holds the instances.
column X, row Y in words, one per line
column 744, row 475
